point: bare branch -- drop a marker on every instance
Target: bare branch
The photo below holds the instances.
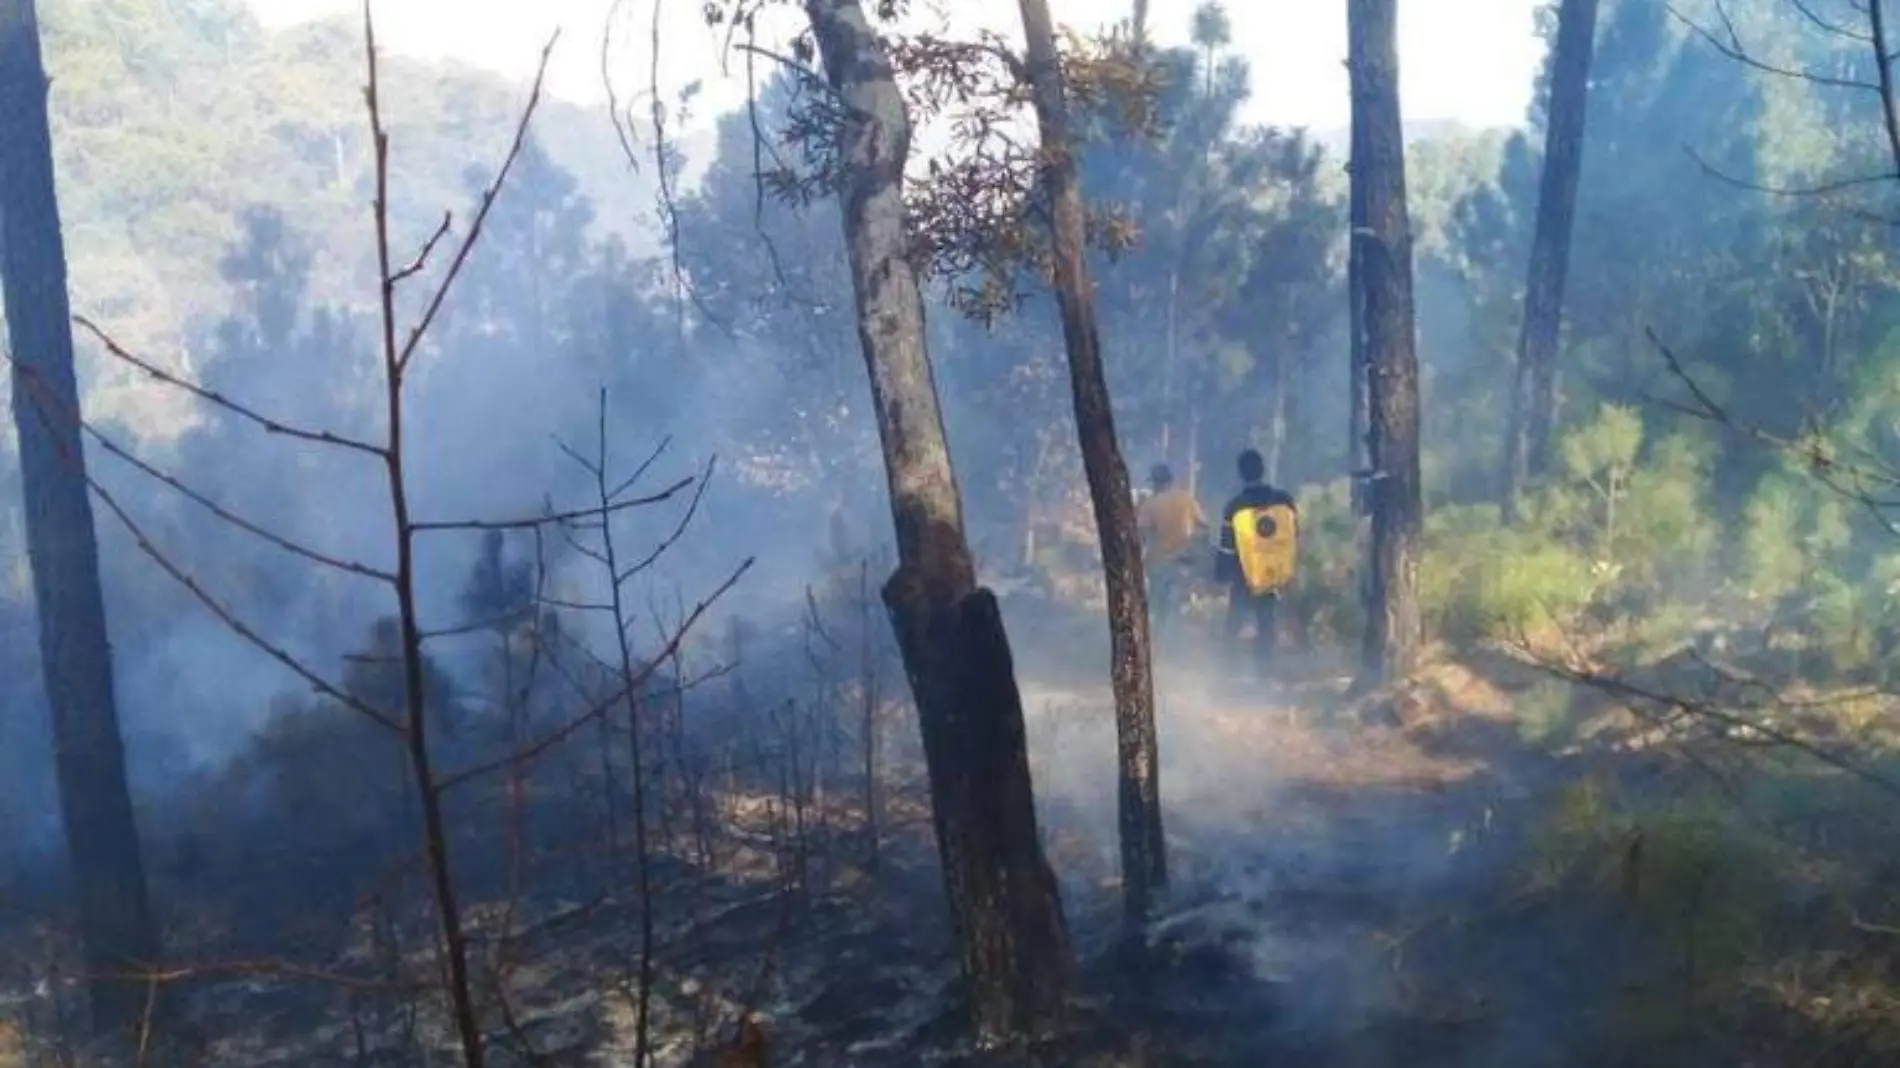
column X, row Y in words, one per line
column 528, row 523
column 576, row 606
column 230, row 618
column 489, row 195
column 263, row 969
column 678, row 531
column 472, row 626
column 416, row 265
column 1883, row 85
column 288, row 545
column 450, row 930
column 1840, row 185
column 623, row 123
column 761, row 144
column 1623, row 689
column 1705, row 407
column 555, row 737
column 595, row 466
column 1883, row 66
column 322, row 437
column 574, row 543
column 225, row 615
column 1733, row 49
column 1807, row 11
column 806, row 76
column 623, row 132
column 638, row 472
column 656, row 111
column 197, row 497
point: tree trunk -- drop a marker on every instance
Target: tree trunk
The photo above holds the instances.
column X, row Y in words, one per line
column 75, row 657
column 1279, row 382
column 1527, row 443
column 1170, row 358
column 1006, row 913
column 1356, row 416
column 1392, row 637
column 1131, row 674
column 1194, row 453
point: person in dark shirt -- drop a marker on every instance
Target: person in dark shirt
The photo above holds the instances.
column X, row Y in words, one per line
column 1243, row 603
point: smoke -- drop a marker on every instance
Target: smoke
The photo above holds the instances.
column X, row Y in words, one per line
column 1292, row 826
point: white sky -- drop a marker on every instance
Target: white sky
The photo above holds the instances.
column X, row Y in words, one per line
column 1470, row 60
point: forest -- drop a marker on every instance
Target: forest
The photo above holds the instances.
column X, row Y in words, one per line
column 494, row 581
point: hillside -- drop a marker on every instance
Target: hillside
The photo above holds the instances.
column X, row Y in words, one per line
column 1338, row 140
column 170, row 118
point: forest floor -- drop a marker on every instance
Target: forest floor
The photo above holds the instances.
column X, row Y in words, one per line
column 1354, row 884
column 1320, row 845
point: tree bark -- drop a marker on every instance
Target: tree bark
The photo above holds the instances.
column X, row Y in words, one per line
column 1356, row 414
column 75, row 655
column 1005, row 909
column 1279, row 408
column 1144, row 853
column 1533, row 417
column 1392, row 636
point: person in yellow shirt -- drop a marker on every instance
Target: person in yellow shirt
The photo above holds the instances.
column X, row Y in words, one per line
column 1170, row 520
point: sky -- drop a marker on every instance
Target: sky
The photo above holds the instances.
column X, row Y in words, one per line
column 1468, row 60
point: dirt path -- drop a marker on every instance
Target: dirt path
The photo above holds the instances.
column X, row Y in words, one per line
column 1308, row 850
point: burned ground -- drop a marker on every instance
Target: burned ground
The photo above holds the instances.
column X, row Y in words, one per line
column 1439, row 877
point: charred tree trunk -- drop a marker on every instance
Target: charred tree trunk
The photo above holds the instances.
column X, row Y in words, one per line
column 1006, row 913
column 1527, row 443
column 1392, row 637
column 75, row 657
column 1143, row 847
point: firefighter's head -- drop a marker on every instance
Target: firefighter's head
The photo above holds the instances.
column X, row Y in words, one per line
column 1252, row 468
column 1160, row 478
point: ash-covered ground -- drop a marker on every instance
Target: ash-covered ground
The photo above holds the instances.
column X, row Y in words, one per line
column 1353, row 883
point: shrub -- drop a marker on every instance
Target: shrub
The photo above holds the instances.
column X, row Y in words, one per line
column 1481, row 580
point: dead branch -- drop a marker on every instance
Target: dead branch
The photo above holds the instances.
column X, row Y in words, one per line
column 178, row 485
column 224, row 613
column 1807, row 12
column 623, row 575
column 550, row 518
column 1822, row 189
column 270, row 425
column 1625, row 690
column 1820, row 460
column 416, row 265
column 555, row 737
column 1729, row 44
column 489, row 194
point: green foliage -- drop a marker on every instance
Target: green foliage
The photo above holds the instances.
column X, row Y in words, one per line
column 1790, row 528
column 1723, row 908
column 184, row 138
column 1482, row 580
column 1667, row 539
column 1703, row 891
column 171, row 120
